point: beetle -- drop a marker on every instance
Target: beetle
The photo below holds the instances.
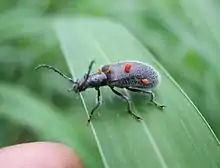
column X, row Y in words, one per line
column 132, row 75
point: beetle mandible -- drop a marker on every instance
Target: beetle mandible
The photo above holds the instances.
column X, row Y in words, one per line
column 132, row 75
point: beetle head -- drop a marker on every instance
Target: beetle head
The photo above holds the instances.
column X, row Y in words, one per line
column 89, row 81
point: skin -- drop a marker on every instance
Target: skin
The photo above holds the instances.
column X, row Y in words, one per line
column 39, row 155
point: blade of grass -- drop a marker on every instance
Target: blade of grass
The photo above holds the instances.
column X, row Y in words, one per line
column 20, row 106
column 177, row 137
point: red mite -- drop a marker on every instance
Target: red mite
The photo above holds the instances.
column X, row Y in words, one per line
column 142, row 78
column 127, row 68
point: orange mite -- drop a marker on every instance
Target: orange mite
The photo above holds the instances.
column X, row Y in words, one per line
column 104, row 69
column 99, row 70
column 145, row 81
column 108, row 70
column 127, row 68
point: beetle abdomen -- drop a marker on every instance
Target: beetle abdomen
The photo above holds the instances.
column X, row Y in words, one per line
column 131, row 74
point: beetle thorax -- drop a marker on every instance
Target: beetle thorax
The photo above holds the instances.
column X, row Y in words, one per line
column 93, row 81
column 96, row 79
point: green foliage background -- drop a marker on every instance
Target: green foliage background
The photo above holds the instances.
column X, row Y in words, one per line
column 182, row 35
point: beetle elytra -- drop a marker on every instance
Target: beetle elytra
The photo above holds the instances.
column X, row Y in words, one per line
column 134, row 76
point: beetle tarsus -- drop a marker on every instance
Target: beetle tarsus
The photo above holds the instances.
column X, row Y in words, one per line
column 97, row 105
column 152, row 95
column 138, row 118
column 158, row 105
column 154, row 102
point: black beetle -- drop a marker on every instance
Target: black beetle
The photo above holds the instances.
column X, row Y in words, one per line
column 131, row 75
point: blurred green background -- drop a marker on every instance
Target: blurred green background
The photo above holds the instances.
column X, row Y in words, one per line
column 182, row 35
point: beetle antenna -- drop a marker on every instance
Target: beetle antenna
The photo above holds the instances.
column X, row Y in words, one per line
column 89, row 71
column 55, row 70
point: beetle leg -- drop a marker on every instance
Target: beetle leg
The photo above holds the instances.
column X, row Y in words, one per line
column 97, row 105
column 151, row 94
column 128, row 103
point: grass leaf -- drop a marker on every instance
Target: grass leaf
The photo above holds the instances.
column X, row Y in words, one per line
column 177, row 137
column 21, row 107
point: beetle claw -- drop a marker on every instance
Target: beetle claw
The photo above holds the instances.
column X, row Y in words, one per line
column 135, row 116
column 138, row 118
column 161, row 106
column 88, row 121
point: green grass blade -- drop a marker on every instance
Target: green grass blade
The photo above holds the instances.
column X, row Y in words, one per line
column 23, row 108
column 177, row 137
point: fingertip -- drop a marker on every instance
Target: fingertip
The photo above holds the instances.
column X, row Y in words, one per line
column 39, row 154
